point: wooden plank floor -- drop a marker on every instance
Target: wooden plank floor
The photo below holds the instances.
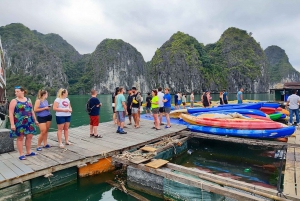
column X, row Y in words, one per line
column 83, row 150
column 292, row 168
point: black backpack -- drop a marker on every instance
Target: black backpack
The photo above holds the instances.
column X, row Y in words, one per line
column 87, row 106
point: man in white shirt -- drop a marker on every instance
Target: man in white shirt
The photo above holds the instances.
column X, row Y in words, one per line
column 293, row 103
column 160, row 95
column 192, row 99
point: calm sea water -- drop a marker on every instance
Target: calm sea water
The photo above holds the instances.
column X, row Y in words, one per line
column 95, row 188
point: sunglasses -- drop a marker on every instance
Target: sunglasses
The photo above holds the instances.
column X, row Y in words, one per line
column 17, row 87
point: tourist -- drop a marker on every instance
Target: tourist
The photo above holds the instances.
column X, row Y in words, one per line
column 206, row 99
column 63, row 109
column 183, row 100
column 179, row 99
column 113, row 99
column 94, row 104
column 176, row 101
column 135, row 107
column 202, row 96
column 225, row 97
column 141, row 105
column 148, row 105
column 121, row 109
column 42, row 109
column 192, row 99
column 160, row 96
column 240, row 96
column 23, row 121
column 167, row 106
column 155, row 109
column 221, row 98
column 293, row 102
column 129, row 102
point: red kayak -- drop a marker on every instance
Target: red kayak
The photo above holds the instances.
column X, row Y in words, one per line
column 268, row 110
column 279, row 109
column 253, row 116
column 239, row 123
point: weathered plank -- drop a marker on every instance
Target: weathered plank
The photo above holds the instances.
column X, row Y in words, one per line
column 13, row 167
column 19, row 164
column 157, row 163
column 6, row 172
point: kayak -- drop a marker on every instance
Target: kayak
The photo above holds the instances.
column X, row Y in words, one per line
column 275, row 116
column 258, row 117
column 272, row 133
column 240, row 111
column 272, row 105
column 268, row 110
column 236, row 123
column 238, row 106
column 286, row 112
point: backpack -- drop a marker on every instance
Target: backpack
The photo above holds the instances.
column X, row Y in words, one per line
column 87, row 106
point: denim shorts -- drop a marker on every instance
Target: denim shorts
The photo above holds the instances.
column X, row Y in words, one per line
column 63, row 119
column 135, row 110
column 121, row 116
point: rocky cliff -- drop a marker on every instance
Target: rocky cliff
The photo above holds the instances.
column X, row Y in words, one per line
column 116, row 63
column 280, row 69
column 239, row 61
column 33, row 64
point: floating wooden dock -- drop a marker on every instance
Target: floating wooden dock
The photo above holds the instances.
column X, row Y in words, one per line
column 84, row 150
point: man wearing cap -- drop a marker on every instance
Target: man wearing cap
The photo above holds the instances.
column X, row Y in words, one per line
column 129, row 102
column 135, row 107
column 160, row 95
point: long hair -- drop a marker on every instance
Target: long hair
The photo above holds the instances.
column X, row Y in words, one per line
column 41, row 93
column 61, row 92
column 117, row 91
column 155, row 91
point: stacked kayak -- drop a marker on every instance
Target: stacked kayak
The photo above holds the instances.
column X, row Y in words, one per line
column 230, row 107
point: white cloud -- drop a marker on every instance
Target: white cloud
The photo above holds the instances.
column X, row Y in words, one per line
column 148, row 24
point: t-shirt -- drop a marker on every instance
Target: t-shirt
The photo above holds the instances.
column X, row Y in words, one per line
column 93, row 104
column 225, row 96
column 120, row 99
column 129, row 100
column 160, row 99
column 168, row 103
column 192, row 97
column 239, row 95
column 138, row 99
column 176, row 98
column 183, row 99
column 179, row 96
column 148, row 99
column 294, row 100
column 154, row 99
column 63, row 103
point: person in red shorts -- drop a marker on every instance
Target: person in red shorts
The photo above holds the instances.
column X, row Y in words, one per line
column 94, row 104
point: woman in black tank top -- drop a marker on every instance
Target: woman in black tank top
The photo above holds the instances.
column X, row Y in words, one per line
column 205, row 100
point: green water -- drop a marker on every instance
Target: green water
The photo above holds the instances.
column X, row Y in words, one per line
column 95, row 188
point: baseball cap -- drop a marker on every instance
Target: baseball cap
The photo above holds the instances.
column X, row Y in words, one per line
column 134, row 88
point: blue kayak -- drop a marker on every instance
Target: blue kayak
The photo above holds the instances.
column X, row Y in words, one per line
column 240, row 111
column 237, row 106
column 263, row 104
column 272, row 133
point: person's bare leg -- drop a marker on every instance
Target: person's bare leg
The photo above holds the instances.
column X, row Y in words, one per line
column 20, row 144
column 28, row 143
column 66, row 131
column 43, row 129
column 60, row 128
column 48, row 124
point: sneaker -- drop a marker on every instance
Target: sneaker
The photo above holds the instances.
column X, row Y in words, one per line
column 118, row 131
column 122, row 132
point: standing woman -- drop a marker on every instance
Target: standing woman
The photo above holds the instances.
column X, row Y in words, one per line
column 63, row 109
column 155, row 109
column 41, row 107
column 221, row 98
column 206, row 99
column 113, row 99
column 23, row 121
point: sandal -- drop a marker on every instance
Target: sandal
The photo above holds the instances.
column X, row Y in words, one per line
column 98, row 136
column 31, row 154
column 22, row 158
column 39, row 148
column 92, row 135
column 153, row 127
column 167, row 127
column 47, row 146
column 68, row 143
column 157, row 129
column 61, row 146
column 129, row 124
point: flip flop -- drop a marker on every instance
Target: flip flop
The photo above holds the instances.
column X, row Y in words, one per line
column 22, row 157
column 68, row 143
column 31, row 154
column 39, row 148
column 98, row 136
column 167, row 127
column 92, row 135
column 47, row 146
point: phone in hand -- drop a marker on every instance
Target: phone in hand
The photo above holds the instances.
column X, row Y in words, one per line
column 50, row 105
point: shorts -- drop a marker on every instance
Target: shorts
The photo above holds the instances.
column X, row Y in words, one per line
column 155, row 110
column 135, row 110
column 192, row 103
column 128, row 110
column 121, row 116
column 176, row 103
column 94, row 120
column 44, row 119
column 63, row 119
column 148, row 108
column 240, row 102
column 183, row 103
column 179, row 102
column 167, row 110
column 114, row 111
column 161, row 110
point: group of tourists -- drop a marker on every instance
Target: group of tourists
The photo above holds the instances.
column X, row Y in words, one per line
column 24, row 119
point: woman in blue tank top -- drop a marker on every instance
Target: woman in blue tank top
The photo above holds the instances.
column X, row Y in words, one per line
column 42, row 109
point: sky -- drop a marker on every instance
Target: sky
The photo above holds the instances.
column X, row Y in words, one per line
column 147, row 24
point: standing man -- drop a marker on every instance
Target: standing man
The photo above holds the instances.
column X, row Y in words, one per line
column 225, row 97
column 192, row 99
column 160, row 104
column 129, row 101
column 293, row 102
column 240, row 96
column 167, row 106
column 179, row 99
column 176, row 101
column 121, row 109
column 94, row 104
column 148, row 105
column 135, row 107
